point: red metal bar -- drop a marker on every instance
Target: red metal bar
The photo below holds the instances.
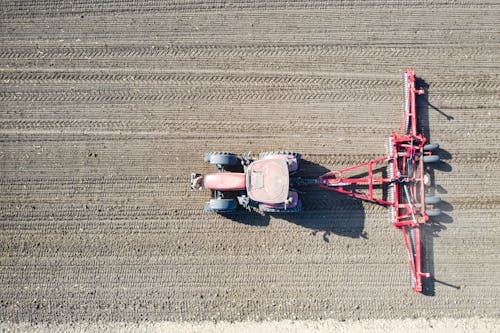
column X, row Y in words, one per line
column 370, row 181
column 411, row 92
column 367, row 180
column 422, row 191
column 418, row 273
column 411, row 258
column 335, row 181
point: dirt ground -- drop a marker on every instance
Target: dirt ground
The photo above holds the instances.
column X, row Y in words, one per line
column 420, row 325
column 107, row 106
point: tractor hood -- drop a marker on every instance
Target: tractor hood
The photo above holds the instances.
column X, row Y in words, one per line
column 268, row 181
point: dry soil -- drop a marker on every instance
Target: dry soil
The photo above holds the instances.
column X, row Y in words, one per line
column 107, row 107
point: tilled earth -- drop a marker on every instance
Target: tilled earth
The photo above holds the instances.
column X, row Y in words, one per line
column 107, row 106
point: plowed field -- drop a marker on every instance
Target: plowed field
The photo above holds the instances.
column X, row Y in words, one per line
column 107, row 106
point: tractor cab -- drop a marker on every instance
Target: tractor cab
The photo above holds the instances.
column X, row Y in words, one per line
column 267, row 180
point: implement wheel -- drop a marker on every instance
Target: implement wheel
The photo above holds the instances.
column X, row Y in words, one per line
column 433, row 212
column 432, row 200
column 431, row 158
column 431, row 146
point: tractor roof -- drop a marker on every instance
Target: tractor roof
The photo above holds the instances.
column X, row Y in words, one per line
column 268, row 181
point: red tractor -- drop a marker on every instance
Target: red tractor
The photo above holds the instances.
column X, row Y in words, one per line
column 263, row 184
column 268, row 183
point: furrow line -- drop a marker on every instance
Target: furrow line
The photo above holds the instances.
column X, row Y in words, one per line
column 19, row 9
column 181, row 125
column 144, row 126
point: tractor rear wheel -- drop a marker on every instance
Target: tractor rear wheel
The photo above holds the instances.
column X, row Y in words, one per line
column 269, row 153
column 295, row 209
column 221, row 205
column 221, row 158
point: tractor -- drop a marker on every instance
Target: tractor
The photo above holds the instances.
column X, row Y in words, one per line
column 242, row 182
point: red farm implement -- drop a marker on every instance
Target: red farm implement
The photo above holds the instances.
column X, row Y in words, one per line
column 268, row 183
column 407, row 152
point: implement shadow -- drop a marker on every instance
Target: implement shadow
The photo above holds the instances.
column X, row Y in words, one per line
column 432, row 229
column 325, row 213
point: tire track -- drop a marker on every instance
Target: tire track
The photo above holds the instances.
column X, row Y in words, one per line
column 193, row 78
column 259, row 51
column 295, row 94
column 489, row 85
column 147, row 95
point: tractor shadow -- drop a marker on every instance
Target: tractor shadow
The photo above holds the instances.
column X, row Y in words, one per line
column 432, row 229
column 325, row 213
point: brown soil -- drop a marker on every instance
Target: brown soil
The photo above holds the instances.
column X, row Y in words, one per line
column 108, row 106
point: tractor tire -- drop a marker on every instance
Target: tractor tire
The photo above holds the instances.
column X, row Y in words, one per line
column 433, row 212
column 221, row 158
column 431, row 158
column 295, row 209
column 431, row 146
column 432, row 200
column 221, row 205
column 269, row 153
